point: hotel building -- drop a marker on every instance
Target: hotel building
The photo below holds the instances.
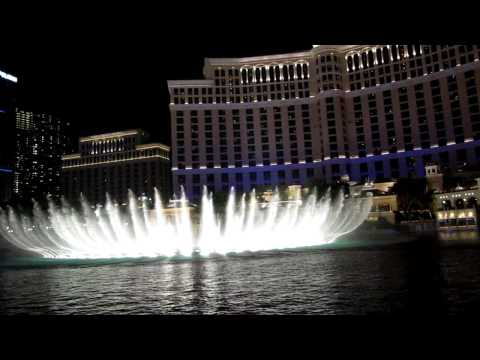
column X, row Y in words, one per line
column 40, row 143
column 366, row 111
column 6, row 182
column 114, row 163
column 8, row 99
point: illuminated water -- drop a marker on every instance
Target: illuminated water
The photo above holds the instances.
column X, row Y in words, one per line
column 108, row 232
column 363, row 277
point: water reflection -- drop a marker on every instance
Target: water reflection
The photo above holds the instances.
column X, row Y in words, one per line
column 465, row 237
column 425, row 277
column 421, row 277
column 199, row 279
column 220, row 285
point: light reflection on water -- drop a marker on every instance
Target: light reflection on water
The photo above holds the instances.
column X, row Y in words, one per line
column 459, row 236
column 418, row 277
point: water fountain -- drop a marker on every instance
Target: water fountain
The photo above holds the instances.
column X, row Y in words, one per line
column 105, row 232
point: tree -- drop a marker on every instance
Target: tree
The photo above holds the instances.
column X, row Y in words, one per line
column 322, row 187
column 413, row 194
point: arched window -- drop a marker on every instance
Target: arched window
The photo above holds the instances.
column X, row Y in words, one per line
column 250, row 75
column 410, row 50
column 264, row 74
column 277, row 73
column 447, row 205
column 472, row 203
column 386, row 55
column 417, row 50
column 356, row 61
column 257, row 75
column 350, row 63
column 305, row 71
column 379, row 56
column 244, row 76
column 299, row 71
column 401, row 52
column 364, row 60
column 394, row 52
column 291, row 72
column 272, row 73
column 460, row 204
column 371, row 59
column 285, row 73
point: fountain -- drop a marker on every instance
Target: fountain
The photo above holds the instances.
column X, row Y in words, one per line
column 105, row 232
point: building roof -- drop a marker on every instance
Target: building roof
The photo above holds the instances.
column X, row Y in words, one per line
column 152, row 146
column 212, row 62
column 111, row 135
column 190, row 83
column 254, row 60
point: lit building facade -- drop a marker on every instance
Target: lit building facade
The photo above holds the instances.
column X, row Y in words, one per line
column 457, row 209
column 114, row 163
column 6, row 182
column 366, row 111
column 40, row 144
column 8, row 94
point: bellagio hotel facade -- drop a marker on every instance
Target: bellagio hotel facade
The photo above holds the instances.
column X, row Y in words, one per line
column 362, row 111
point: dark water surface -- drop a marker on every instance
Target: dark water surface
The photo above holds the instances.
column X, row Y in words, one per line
column 425, row 276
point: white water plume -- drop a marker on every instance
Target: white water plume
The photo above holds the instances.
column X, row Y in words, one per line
column 136, row 231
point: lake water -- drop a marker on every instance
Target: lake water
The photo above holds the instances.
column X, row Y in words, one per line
column 429, row 276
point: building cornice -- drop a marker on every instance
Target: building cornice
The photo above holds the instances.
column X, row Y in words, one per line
column 110, row 135
column 337, row 48
column 212, row 62
column 190, row 83
column 71, row 157
column 140, row 147
column 153, row 146
column 109, row 162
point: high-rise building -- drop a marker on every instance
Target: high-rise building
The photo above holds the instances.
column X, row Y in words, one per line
column 8, row 95
column 40, row 144
column 362, row 111
column 6, row 182
column 114, row 163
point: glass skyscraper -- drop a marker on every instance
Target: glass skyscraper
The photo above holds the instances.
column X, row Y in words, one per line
column 40, row 144
column 8, row 94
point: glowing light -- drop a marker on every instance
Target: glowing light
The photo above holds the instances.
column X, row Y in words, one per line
column 86, row 164
column 8, row 77
column 136, row 231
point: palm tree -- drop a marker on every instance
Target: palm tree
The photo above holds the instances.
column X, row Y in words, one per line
column 413, row 194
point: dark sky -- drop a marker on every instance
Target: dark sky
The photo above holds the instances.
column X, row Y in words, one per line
column 106, row 73
column 107, row 69
column 115, row 84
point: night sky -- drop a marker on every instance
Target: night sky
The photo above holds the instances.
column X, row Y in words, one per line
column 107, row 80
column 107, row 69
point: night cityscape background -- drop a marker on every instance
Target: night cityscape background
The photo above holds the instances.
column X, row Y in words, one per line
column 339, row 179
column 86, row 81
